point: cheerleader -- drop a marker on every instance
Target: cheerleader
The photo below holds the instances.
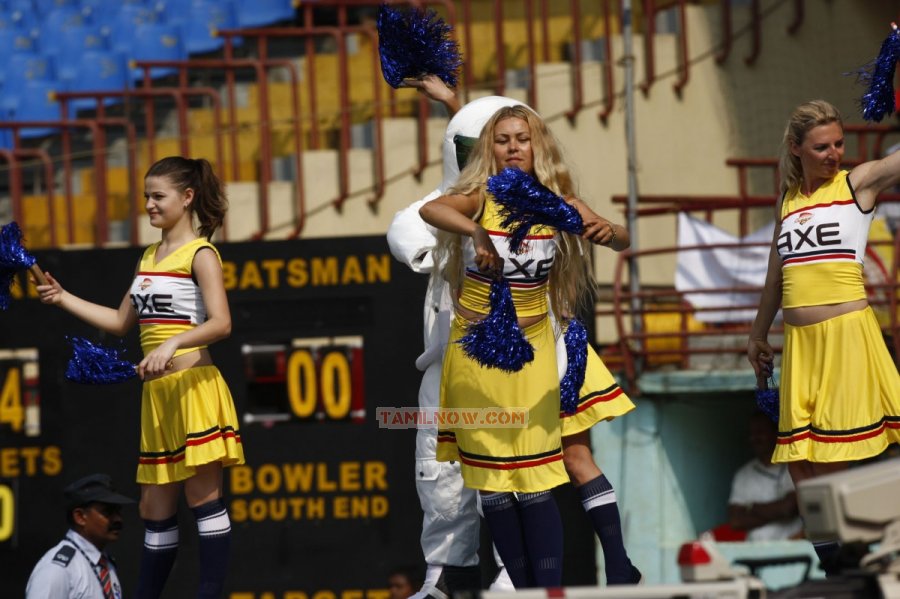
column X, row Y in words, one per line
column 189, row 428
column 840, row 390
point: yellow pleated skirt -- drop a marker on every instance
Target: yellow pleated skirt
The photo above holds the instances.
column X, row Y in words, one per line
column 599, row 400
column 840, row 391
column 187, row 420
column 523, row 458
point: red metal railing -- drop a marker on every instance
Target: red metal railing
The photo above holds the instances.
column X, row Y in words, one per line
column 339, row 34
column 97, row 128
column 537, row 19
column 636, row 347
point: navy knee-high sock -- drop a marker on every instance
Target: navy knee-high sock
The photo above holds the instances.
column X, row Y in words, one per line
column 599, row 501
column 214, row 527
column 542, row 528
column 160, row 548
column 506, row 529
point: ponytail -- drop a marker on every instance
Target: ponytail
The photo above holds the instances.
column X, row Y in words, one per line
column 210, row 203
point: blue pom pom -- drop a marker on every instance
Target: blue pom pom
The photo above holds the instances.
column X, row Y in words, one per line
column 767, row 401
column 95, row 365
column 497, row 341
column 878, row 75
column 13, row 258
column 415, row 42
column 524, row 203
column 576, row 356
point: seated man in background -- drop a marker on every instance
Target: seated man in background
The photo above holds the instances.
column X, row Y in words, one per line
column 763, row 501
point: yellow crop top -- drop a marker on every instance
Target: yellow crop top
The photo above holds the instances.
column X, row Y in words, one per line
column 526, row 271
column 822, row 244
column 166, row 297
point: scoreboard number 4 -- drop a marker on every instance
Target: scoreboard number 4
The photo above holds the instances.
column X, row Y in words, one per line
column 19, row 395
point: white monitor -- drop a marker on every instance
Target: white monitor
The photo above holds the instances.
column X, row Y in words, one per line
column 854, row 505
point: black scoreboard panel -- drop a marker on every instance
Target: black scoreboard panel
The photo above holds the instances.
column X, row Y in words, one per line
column 324, row 333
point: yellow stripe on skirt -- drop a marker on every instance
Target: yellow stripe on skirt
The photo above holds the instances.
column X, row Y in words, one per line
column 187, row 420
column 840, row 391
column 511, row 458
column 600, row 398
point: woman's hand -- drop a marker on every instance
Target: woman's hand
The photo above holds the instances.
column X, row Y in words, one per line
column 158, row 361
column 433, row 87
column 487, row 259
column 599, row 230
column 51, row 293
column 761, row 357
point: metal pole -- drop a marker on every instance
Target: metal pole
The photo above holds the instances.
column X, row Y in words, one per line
column 633, row 278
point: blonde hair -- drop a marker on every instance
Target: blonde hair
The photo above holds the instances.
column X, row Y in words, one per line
column 571, row 278
column 805, row 117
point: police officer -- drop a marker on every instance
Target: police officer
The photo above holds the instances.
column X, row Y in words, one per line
column 78, row 567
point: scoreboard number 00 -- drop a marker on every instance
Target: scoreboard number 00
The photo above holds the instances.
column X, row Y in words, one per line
column 308, row 379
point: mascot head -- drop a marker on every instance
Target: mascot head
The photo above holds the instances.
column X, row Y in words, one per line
column 462, row 132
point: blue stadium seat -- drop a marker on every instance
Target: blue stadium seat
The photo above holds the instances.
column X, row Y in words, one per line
column 22, row 68
column 24, row 20
column 202, row 21
column 8, row 19
column 98, row 70
column 32, row 101
column 16, row 41
column 20, row 5
column 44, row 7
column 119, row 24
column 156, row 41
column 59, row 19
column 65, row 46
column 257, row 13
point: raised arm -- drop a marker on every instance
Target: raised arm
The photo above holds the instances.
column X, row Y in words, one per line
column 116, row 321
column 453, row 213
column 208, row 271
column 434, row 88
column 871, row 178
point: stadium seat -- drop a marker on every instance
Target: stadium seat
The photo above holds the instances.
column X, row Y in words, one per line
column 67, row 45
column 25, row 20
column 10, row 19
column 156, row 41
column 97, row 70
column 256, row 13
column 44, row 7
column 20, row 5
column 16, row 41
column 32, row 101
column 118, row 24
column 21, row 68
column 59, row 19
column 200, row 22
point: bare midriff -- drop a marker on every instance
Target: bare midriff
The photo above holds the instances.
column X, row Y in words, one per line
column 201, row 357
column 807, row 315
column 473, row 316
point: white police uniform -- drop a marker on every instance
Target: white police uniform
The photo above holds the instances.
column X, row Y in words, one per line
column 71, row 570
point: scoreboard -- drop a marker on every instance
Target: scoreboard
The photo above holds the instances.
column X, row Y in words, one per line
column 324, row 333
